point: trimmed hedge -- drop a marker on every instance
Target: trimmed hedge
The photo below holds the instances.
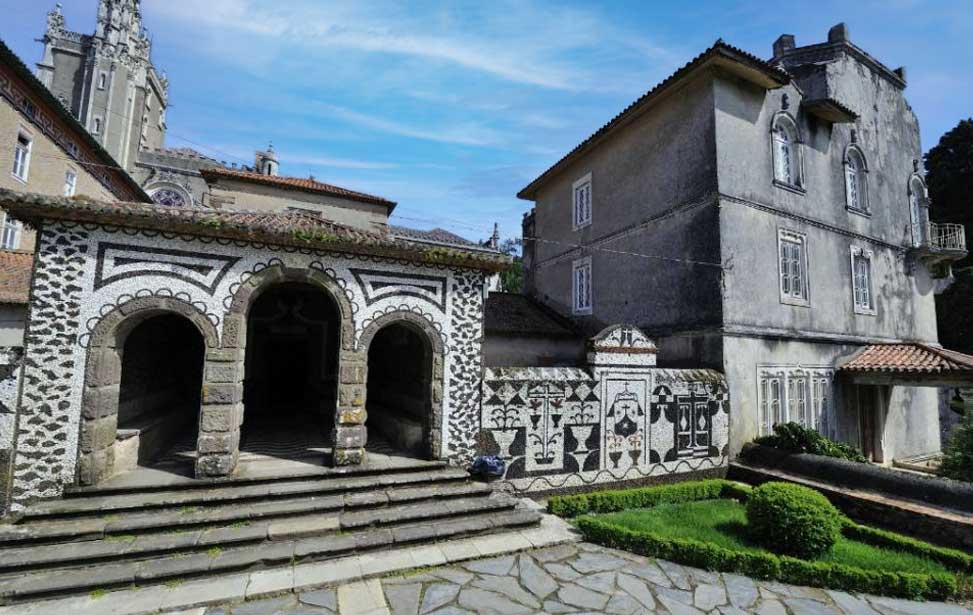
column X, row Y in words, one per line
column 783, row 568
column 793, row 519
column 646, row 497
column 951, row 558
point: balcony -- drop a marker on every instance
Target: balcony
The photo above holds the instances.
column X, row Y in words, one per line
column 939, row 244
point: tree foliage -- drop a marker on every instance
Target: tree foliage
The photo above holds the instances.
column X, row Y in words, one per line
column 958, row 454
column 513, row 278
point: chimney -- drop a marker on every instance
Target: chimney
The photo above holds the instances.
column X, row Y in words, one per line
column 783, row 44
column 839, row 34
column 900, row 73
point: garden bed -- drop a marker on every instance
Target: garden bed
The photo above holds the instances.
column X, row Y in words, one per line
column 704, row 524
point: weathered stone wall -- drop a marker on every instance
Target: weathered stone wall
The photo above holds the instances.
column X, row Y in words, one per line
column 11, row 359
column 619, row 419
column 89, row 275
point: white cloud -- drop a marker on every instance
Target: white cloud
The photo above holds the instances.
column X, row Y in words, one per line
column 468, row 134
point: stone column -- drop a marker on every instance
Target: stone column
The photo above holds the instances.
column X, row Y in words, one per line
column 99, row 415
column 349, row 436
column 221, row 413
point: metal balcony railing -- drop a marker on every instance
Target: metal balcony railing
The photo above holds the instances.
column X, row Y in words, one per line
column 945, row 236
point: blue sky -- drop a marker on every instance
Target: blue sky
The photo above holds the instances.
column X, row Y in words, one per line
column 450, row 108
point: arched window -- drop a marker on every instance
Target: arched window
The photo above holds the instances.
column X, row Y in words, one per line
column 788, row 165
column 917, row 204
column 856, row 181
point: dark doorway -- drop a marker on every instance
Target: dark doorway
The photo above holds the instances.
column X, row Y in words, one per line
column 160, row 389
column 399, row 389
column 290, row 383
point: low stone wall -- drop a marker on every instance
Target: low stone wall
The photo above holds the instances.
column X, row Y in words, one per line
column 619, row 419
column 848, row 474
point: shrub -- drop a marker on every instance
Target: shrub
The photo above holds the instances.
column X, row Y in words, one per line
column 769, row 566
column 644, row 497
column 795, row 438
column 958, row 454
column 793, row 520
column 951, row 558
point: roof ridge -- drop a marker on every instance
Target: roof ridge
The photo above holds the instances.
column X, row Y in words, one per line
column 949, row 355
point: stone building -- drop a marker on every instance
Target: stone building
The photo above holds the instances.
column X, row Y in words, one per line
column 768, row 219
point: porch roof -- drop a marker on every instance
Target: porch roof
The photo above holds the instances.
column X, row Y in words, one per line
column 284, row 228
column 912, row 364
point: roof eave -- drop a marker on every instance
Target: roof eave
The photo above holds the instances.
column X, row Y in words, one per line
column 720, row 55
column 216, row 175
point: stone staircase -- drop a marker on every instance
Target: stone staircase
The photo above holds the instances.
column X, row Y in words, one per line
column 101, row 539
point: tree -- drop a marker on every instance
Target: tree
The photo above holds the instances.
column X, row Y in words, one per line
column 949, row 177
column 958, row 454
column 513, row 278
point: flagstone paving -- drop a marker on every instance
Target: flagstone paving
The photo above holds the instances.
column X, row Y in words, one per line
column 575, row 578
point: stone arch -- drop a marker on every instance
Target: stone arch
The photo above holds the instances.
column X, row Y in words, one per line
column 436, row 346
column 103, row 373
column 223, row 406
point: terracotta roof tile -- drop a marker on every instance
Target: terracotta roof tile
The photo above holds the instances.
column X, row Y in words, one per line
column 295, row 183
column 286, row 228
column 908, row 358
column 15, row 270
column 719, row 50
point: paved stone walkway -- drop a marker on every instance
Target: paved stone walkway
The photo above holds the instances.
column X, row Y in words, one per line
column 579, row 578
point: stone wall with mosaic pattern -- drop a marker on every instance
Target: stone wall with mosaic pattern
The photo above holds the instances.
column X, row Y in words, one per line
column 86, row 274
column 620, row 418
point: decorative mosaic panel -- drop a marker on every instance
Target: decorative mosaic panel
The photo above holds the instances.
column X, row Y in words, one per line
column 10, row 362
column 567, row 427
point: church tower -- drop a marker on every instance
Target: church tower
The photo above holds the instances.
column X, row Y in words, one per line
column 107, row 79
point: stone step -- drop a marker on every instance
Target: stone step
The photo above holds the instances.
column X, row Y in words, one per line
column 170, row 519
column 18, row 559
column 99, row 504
column 253, row 474
column 88, row 578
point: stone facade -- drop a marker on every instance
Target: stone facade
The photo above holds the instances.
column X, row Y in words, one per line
column 93, row 284
column 620, row 418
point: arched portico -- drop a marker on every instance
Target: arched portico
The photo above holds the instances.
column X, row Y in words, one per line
column 225, row 396
column 404, row 379
column 104, row 372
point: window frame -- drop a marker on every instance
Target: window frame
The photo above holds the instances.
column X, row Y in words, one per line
column 785, row 236
column 784, row 390
column 73, row 182
column 97, row 125
column 102, row 83
column 870, row 308
column 15, row 231
column 917, row 217
column 24, row 164
column 582, row 265
column 797, row 182
column 576, row 222
column 861, row 175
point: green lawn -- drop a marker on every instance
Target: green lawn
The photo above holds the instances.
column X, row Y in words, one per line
column 724, row 523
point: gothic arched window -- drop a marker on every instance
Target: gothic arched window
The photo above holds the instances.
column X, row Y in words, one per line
column 856, row 180
column 788, row 165
column 917, row 205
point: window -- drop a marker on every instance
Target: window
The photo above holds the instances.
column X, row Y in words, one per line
column 788, row 166
column 856, row 186
column 10, row 239
column 96, row 126
column 798, row 394
column 582, row 202
column 581, row 285
column 70, row 182
column 792, row 252
column 102, row 80
column 917, row 201
column 861, row 281
column 73, row 149
column 22, row 156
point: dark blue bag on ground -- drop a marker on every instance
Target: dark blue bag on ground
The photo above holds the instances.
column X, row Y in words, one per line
column 488, row 466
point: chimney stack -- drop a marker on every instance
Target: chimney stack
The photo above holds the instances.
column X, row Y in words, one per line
column 783, row 44
column 839, row 34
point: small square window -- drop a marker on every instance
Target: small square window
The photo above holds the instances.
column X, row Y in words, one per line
column 581, row 285
column 582, row 202
column 792, row 258
column 70, row 182
column 863, row 294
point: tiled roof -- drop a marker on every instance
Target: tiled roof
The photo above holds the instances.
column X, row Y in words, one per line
column 436, row 235
column 295, row 183
column 286, row 228
column 908, row 358
column 720, row 51
column 516, row 314
column 15, row 268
